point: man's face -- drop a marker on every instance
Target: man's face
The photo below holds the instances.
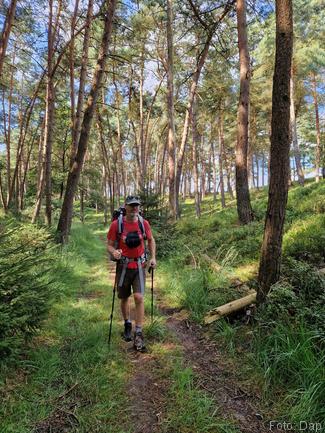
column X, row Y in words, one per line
column 132, row 210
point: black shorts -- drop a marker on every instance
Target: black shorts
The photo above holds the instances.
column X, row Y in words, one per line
column 131, row 280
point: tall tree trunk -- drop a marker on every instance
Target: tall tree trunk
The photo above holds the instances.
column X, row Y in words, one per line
column 270, row 262
column 318, row 147
column 195, row 144
column 77, row 118
column 251, row 143
column 170, row 106
column 196, row 76
column 244, row 209
column 71, row 64
column 40, row 175
column 23, row 184
column 214, row 168
column 202, row 163
column 295, row 145
column 220, row 157
column 104, row 182
column 228, row 174
column 263, row 169
column 7, row 127
column 21, row 140
column 119, row 140
column 257, row 171
column 82, row 207
column 74, row 174
column 250, row 175
column 49, row 110
column 141, row 132
column 6, row 32
column 209, row 179
column 252, row 170
column 2, row 196
column 106, row 160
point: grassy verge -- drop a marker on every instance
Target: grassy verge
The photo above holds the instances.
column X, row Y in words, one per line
column 70, row 379
column 282, row 350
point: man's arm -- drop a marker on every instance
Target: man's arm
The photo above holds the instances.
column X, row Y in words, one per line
column 152, row 250
column 110, row 248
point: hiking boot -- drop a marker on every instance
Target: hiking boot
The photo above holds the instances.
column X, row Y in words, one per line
column 127, row 334
column 138, row 342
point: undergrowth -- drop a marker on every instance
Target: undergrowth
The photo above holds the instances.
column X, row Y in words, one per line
column 68, row 378
column 285, row 344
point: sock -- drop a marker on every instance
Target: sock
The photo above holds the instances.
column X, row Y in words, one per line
column 127, row 321
column 138, row 329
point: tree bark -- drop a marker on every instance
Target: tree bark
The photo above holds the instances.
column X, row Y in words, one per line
column 196, row 76
column 40, row 176
column 25, row 167
column 228, row 174
column 21, row 140
column 295, row 145
column 6, row 32
column 202, row 164
column 263, row 169
column 195, row 144
column 106, row 160
column 3, row 200
column 119, row 140
column 142, row 143
column 170, row 107
column 214, row 168
column 244, row 209
column 71, row 65
column 230, row 307
column 270, row 262
column 318, row 147
column 7, row 129
column 220, row 157
column 77, row 118
column 49, row 110
column 65, row 220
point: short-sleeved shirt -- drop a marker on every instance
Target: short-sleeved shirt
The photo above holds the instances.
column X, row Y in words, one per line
column 131, row 253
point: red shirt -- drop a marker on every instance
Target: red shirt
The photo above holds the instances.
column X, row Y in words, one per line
column 131, row 253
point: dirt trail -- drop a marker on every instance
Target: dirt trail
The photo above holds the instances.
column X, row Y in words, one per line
column 148, row 392
column 203, row 356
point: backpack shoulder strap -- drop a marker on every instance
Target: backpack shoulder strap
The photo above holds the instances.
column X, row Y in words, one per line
column 141, row 226
column 119, row 226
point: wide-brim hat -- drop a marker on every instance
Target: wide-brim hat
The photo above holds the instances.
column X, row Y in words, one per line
column 131, row 199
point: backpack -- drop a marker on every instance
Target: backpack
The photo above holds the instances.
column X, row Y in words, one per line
column 118, row 214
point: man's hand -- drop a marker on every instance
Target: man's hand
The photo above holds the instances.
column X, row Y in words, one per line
column 152, row 263
column 117, row 254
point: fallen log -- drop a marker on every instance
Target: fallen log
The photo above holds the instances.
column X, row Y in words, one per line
column 231, row 307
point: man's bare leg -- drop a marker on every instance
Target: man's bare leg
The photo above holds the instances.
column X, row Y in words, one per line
column 139, row 309
column 125, row 308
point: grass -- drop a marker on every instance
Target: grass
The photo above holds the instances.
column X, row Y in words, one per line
column 188, row 409
column 191, row 410
column 69, row 374
column 68, row 379
column 286, row 358
column 71, row 353
column 289, row 360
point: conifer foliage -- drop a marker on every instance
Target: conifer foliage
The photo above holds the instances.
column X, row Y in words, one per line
column 26, row 287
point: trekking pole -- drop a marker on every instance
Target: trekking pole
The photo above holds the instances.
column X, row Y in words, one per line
column 150, row 270
column 113, row 301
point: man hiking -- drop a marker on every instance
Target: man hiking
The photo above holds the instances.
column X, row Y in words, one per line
column 126, row 244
